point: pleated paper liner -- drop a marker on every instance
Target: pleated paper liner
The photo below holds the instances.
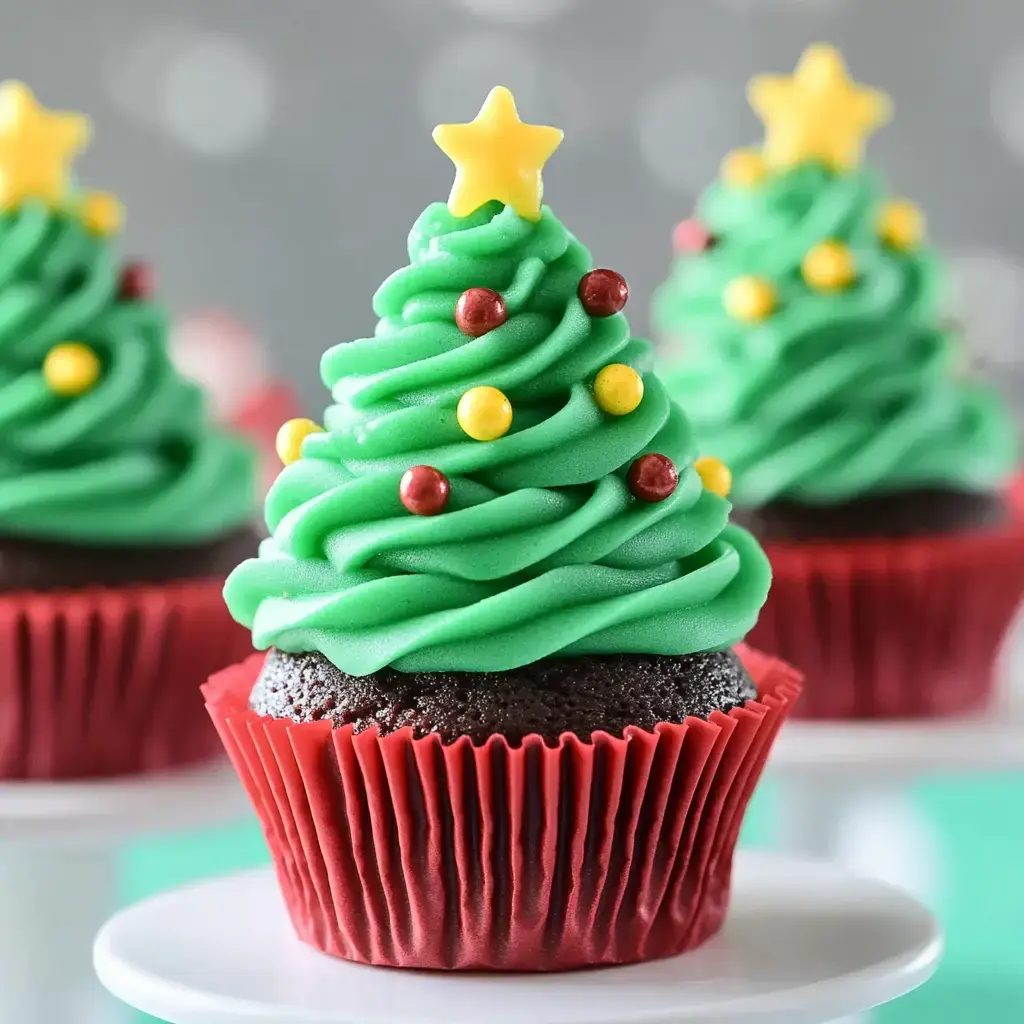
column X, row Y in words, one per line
column 897, row 628
column 413, row 853
column 105, row 682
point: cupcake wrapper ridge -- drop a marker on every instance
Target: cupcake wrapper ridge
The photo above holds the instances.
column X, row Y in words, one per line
column 105, row 681
column 414, row 853
column 895, row 629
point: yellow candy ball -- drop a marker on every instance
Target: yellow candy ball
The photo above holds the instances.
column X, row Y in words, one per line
column 71, row 369
column 290, row 438
column 102, row 213
column 749, row 299
column 618, row 389
column 828, row 267
column 901, row 224
column 715, row 475
column 743, row 168
column 485, row 413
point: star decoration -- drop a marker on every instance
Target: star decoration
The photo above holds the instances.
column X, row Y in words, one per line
column 36, row 147
column 818, row 113
column 497, row 156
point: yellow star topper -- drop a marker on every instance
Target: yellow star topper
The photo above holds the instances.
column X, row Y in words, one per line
column 819, row 113
column 36, row 147
column 497, row 156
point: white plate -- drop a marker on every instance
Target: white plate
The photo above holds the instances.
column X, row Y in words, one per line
column 804, row 942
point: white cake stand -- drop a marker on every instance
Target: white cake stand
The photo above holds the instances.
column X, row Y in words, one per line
column 804, row 942
column 58, row 878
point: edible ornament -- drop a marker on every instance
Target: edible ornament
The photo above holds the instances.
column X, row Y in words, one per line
column 743, row 168
column 652, row 477
column 36, row 147
column 901, row 224
column 424, row 490
column 497, row 156
column 828, row 267
column 618, row 389
column 690, row 235
column 479, row 310
column 290, row 438
column 484, row 413
column 715, row 475
column 71, row 368
column 603, row 292
column 102, row 213
column 749, row 299
column 817, row 114
column 136, row 281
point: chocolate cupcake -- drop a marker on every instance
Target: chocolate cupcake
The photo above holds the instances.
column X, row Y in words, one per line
column 121, row 507
column 547, row 698
column 500, row 712
column 821, row 368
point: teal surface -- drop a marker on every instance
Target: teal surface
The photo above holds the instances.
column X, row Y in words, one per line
column 980, row 831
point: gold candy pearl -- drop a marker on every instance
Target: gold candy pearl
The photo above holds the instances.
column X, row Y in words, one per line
column 749, row 299
column 102, row 213
column 743, row 168
column 828, row 267
column 901, row 224
column 618, row 389
column 71, row 369
column 484, row 413
column 290, row 438
column 715, row 475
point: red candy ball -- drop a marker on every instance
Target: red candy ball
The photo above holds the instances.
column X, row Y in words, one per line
column 424, row 490
column 691, row 236
column 652, row 477
column 136, row 281
column 479, row 310
column 603, row 292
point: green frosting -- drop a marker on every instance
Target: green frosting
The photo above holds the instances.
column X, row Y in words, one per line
column 836, row 394
column 541, row 550
column 132, row 461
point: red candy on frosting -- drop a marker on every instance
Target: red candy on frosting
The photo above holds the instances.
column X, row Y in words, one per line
column 479, row 310
column 652, row 477
column 424, row 490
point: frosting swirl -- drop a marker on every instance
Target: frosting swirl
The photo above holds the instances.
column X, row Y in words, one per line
column 134, row 460
column 837, row 394
column 541, row 549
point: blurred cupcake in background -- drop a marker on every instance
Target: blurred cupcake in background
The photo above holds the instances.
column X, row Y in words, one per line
column 122, row 507
column 231, row 365
column 804, row 334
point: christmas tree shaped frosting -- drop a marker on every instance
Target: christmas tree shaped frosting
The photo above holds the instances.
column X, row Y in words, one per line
column 805, row 310
column 102, row 442
column 500, row 477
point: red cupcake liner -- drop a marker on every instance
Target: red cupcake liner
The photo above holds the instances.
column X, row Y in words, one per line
column 415, row 853
column 897, row 628
column 105, row 682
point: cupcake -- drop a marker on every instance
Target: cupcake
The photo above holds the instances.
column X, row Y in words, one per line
column 805, row 337
column 500, row 724
column 121, row 509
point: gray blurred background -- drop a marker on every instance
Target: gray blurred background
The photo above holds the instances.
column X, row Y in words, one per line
column 274, row 153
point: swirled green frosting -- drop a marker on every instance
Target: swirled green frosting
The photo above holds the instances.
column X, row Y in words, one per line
column 836, row 394
column 542, row 550
column 132, row 461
